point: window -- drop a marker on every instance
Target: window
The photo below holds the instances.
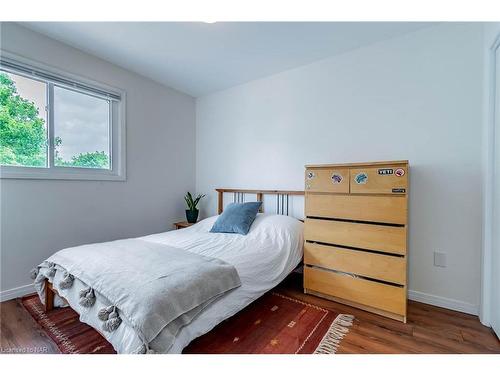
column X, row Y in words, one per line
column 23, row 121
column 81, row 130
column 53, row 126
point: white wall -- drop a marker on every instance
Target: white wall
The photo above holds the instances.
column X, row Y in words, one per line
column 491, row 248
column 416, row 97
column 39, row 217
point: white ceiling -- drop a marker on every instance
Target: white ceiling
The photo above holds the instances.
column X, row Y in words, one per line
column 200, row 58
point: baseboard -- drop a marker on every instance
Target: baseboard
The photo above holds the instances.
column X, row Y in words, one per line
column 20, row 291
column 430, row 299
column 447, row 303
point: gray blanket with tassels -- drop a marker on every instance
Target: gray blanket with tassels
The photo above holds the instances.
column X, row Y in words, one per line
column 150, row 286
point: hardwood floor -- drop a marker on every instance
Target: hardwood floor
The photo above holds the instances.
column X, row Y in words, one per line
column 19, row 333
column 429, row 329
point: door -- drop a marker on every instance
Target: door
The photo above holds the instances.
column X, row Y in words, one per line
column 495, row 285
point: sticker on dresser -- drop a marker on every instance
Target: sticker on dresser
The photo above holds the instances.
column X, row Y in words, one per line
column 361, row 178
column 337, row 178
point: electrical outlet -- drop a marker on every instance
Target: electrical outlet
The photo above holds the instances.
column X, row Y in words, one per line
column 439, row 259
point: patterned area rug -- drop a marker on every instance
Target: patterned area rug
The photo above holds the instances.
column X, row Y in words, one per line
column 273, row 324
column 63, row 326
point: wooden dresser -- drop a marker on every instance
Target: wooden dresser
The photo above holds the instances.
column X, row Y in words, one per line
column 356, row 231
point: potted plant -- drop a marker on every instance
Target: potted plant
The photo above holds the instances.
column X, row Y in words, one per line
column 192, row 211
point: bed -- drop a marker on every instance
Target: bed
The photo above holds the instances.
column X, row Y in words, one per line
column 263, row 258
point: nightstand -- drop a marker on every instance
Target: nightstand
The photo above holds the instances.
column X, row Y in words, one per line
column 182, row 224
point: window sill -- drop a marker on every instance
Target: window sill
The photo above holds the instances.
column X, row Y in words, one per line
column 60, row 173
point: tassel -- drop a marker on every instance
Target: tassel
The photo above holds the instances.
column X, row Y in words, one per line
column 113, row 321
column 52, row 270
column 141, row 349
column 87, row 297
column 111, row 324
column 39, row 278
column 103, row 313
column 144, row 349
column 338, row 329
column 67, row 281
column 84, row 292
column 34, row 273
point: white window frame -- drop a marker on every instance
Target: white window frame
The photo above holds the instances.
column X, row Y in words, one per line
column 117, row 130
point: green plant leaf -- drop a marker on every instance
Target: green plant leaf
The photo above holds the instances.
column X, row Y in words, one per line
column 192, row 203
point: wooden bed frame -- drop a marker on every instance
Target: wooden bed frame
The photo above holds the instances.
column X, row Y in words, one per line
column 282, row 198
column 282, row 208
column 49, row 296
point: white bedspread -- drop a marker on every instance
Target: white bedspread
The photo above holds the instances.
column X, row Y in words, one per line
column 263, row 258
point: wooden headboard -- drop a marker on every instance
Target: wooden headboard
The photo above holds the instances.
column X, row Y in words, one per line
column 282, row 198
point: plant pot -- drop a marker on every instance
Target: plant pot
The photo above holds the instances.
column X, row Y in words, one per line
column 192, row 216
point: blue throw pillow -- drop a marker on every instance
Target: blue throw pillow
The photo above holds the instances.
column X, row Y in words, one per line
column 236, row 218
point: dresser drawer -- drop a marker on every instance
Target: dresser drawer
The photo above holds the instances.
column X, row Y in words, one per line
column 383, row 238
column 380, row 180
column 381, row 209
column 334, row 180
column 381, row 296
column 377, row 266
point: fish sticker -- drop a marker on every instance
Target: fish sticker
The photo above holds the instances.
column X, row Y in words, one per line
column 400, row 172
column 361, row 178
column 337, row 178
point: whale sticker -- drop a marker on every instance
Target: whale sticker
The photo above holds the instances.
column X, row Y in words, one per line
column 337, row 178
column 361, row 178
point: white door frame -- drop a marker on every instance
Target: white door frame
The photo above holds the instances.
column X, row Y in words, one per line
column 489, row 137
